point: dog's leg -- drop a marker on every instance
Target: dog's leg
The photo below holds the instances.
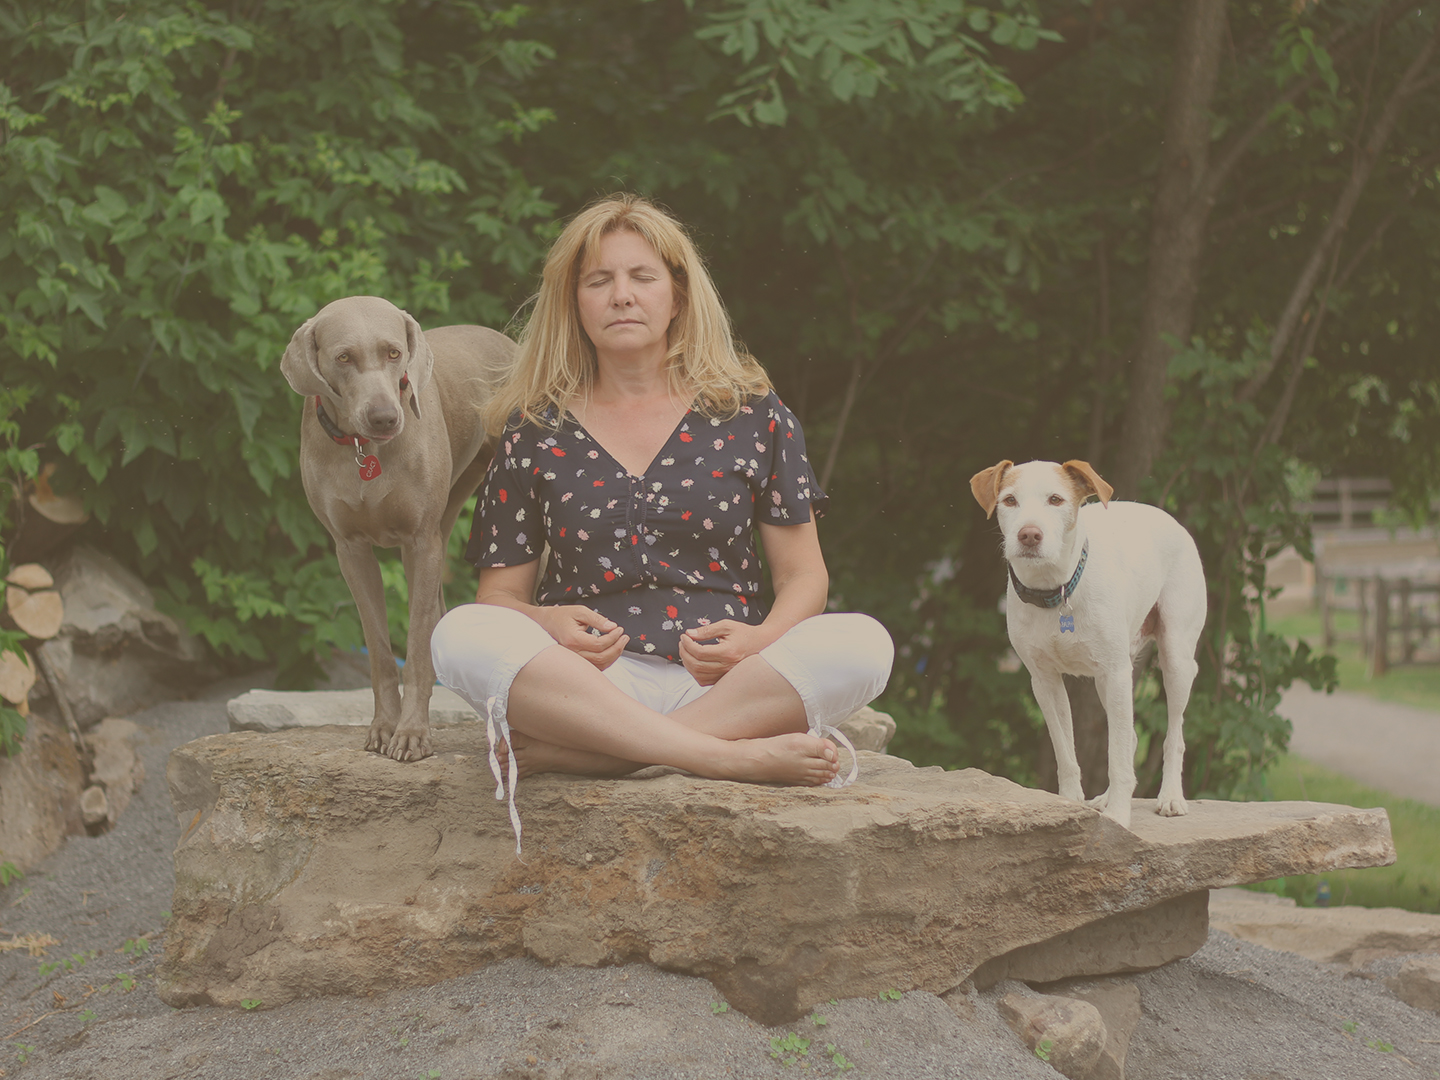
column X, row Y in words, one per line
column 1179, row 670
column 1117, row 690
column 424, row 559
column 1049, row 688
column 362, row 573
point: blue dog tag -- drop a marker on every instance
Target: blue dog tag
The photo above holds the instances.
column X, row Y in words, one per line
column 1067, row 624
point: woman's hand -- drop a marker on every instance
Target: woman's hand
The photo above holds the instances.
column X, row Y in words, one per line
column 729, row 642
column 584, row 632
column 570, row 625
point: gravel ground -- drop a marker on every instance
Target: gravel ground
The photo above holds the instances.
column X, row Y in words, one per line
column 87, row 1007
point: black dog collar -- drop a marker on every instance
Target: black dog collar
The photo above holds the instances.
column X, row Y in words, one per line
column 333, row 429
column 1050, row 598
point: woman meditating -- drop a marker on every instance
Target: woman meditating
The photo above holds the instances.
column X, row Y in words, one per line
column 646, row 450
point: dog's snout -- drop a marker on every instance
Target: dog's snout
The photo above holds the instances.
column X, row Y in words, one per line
column 1030, row 536
column 382, row 417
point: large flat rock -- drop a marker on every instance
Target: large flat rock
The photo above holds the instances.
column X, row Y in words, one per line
column 309, row 866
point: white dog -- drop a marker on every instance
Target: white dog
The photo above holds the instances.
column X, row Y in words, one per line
column 1089, row 585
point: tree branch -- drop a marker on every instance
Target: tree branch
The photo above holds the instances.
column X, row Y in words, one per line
column 858, row 374
column 1340, row 217
column 1228, row 156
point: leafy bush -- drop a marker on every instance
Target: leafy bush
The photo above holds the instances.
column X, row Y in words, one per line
column 1231, row 487
column 183, row 186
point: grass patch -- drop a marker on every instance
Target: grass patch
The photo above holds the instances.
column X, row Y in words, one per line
column 1413, row 883
column 1410, row 684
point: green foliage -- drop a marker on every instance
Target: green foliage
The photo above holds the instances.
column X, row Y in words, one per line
column 136, row 947
column 19, row 466
column 9, row 872
column 12, row 730
column 789, row 1048
column 181, row 188
column 1233, row 490
column 73, row 962
column 854, row 48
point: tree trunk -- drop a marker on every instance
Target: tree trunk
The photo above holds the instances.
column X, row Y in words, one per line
column 1177, row 237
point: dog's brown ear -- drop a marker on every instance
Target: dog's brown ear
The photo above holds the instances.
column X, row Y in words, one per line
column 1089, row 480
column 422, row 361
column 301, row 363
column 985, row 485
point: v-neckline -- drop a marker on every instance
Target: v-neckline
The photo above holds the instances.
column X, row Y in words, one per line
column 658, row 453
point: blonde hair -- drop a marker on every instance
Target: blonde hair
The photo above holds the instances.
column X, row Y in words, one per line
column 556, row 361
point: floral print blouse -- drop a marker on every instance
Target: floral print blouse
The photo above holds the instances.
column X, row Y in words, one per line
column 658, row 553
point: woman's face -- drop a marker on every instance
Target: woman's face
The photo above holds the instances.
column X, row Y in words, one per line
column 626, row 297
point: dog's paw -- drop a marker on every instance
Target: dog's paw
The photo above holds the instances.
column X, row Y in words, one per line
column 1113, row 807
column 1171, row 805
column 408, row 745
column 378, row 738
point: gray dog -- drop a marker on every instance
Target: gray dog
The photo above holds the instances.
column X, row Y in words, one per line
column 377, row 478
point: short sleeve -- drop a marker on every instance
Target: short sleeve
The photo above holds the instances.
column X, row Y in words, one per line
column 788, row 489
column 508, row 528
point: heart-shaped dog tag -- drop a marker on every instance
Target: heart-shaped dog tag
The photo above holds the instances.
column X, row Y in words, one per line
column 370, row 467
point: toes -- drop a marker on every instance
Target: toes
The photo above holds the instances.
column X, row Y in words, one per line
column 408, row 748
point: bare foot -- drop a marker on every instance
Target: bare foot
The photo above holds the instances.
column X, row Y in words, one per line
column 801, row 760
column 534, row 756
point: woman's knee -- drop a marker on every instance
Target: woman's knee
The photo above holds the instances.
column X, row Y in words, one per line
column 851, row 641
column 837, row 662
column 481, row 634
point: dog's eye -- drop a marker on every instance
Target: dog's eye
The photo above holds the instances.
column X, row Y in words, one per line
column 1010, row 500
column 1056, row 500
column 344, row 358
column 394, row 354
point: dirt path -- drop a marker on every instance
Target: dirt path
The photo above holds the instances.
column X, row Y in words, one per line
column 1387, row 745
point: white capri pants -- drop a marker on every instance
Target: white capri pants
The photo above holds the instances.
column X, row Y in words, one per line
column 836, row 662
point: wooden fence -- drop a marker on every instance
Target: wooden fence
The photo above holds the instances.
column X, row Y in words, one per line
column 1389, row 577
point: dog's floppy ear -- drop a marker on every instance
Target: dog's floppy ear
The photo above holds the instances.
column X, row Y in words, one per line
column 985, row 485
column 1089, row 480
column 301, row 363
column 422, row 361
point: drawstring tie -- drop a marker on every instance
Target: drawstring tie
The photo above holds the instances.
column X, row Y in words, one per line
column 499, row 726
column 823, row 731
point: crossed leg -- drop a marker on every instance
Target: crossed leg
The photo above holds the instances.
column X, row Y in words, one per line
column 565, row 716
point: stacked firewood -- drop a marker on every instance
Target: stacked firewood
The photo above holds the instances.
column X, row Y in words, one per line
column 34, row 607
